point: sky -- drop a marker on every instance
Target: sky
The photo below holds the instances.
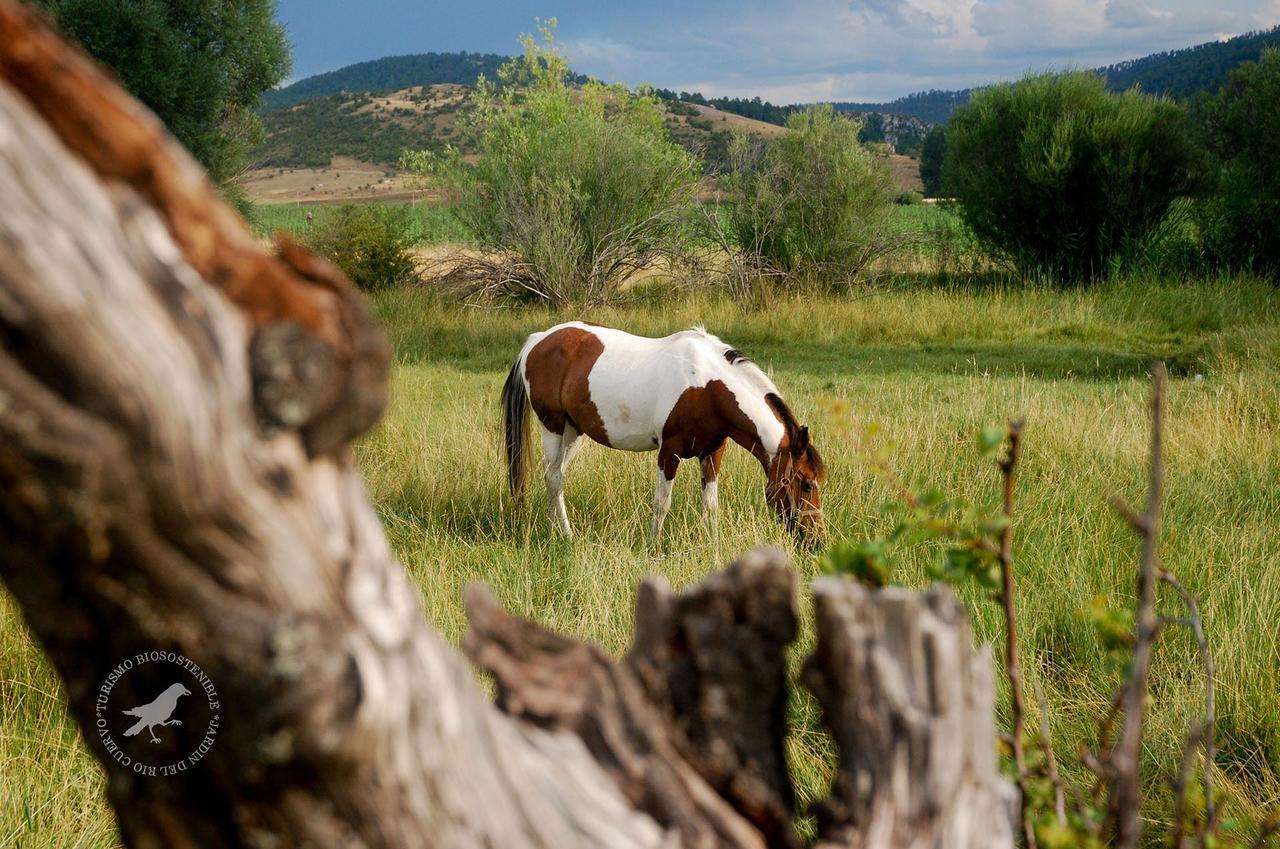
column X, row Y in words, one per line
column 786, row 51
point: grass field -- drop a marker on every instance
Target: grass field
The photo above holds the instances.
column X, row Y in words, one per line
column 929, row 367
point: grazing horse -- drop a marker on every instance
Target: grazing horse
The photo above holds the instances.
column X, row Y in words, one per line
column 683, row 395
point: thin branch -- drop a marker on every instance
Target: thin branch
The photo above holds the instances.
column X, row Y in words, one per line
column 1008, row 468
column 1196, row 624
column 1126, row 791
column 1268, row 828
column 1180, row 781
column 1051, row 760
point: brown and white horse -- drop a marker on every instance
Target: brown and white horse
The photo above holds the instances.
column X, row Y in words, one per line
column 684, row 396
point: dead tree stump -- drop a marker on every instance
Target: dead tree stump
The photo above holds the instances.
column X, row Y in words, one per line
column 909, row 701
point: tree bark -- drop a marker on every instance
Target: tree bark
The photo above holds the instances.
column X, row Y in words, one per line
column 909, row 703
column 175, row 408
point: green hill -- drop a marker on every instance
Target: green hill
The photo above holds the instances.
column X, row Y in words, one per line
column 1176, row 73
column 373, row 128
column 1184, row 73
column 390, row 73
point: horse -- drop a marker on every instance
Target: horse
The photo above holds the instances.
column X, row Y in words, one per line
column 684, row 395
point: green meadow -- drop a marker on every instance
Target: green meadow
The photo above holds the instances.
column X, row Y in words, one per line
column 911, row 372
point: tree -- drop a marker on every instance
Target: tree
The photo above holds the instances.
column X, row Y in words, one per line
column 932, row 155
column 575, row 188
column 200, row 65
column 813, row 204
column 1241, row 126
column 1064, row 178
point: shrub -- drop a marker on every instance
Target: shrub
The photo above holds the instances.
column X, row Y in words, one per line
column 932, row 154
column 370, row 242
column 813, row 205
column 907, row 197
column 1241, row 125
column 1064, row 178
column 575, row 189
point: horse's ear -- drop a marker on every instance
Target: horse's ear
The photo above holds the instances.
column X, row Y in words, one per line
column 800, row 444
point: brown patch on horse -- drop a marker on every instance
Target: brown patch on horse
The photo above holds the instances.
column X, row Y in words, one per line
column 703, row 416
column 557, row 369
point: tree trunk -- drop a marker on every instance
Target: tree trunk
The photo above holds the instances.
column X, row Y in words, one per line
column 175, row 406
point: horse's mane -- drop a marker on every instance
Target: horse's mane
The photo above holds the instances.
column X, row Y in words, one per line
column 789, row 421
column 744, row 364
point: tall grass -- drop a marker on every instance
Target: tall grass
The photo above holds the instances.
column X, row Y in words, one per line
column 930, row 367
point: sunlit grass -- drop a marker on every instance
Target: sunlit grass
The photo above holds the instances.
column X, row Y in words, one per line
column 930, row 367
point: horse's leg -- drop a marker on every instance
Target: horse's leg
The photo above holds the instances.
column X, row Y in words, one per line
column 556, row 449
column 710, row 484
column 668, row 462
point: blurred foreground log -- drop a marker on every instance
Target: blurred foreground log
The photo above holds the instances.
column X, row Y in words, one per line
column 175, row 406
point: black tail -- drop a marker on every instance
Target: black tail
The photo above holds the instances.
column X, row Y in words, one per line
column 515, row 418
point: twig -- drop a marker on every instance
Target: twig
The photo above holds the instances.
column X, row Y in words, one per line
column 1051, row 761
column 1268, row 828
column 1196, row 624
column 1180, row 781
column 1008, row 468
column 1126, row 791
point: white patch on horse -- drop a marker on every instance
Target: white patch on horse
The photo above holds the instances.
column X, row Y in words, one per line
column 637, row 380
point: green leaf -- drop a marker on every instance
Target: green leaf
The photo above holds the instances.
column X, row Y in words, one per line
column 989, row 438
column 866, row 561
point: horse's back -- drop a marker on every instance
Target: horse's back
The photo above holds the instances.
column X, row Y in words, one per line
column 616, row 387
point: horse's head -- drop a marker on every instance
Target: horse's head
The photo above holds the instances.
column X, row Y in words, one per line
column 794, row 487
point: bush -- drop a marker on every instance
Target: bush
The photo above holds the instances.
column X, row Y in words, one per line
column 575, row 190
column 813, row 205
column 907, row 197
column 370, row 242
column 1240, row 222
column 932, row 154
column 1064, row 178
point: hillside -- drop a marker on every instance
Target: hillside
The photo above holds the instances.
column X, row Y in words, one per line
column 375, row 128
column 1183, row 73
column 390, row 73
column 362, row 126
column 1176, row 73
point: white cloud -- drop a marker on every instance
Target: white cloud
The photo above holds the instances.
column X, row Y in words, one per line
column 1131, row 14
column 806, row 50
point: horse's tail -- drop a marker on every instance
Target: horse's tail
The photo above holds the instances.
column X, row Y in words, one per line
column 515, row 419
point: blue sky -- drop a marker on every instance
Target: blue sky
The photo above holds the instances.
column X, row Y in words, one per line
column 786, row 51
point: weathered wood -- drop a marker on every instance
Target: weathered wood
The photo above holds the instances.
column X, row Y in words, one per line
column 143, row 506
column 175, row 405
column 908, row 701
column 715, row 659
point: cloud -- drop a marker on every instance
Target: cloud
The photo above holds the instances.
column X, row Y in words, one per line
column 1130, row 14
column 869, row 50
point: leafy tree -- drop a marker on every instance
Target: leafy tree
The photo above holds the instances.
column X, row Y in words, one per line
column 1062, row 177
column 932, row 155
column 814, row 203
column 200, row 65
column 575, row 189
column 1241, row 221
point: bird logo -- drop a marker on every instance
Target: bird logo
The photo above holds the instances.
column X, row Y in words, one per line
column 157, row 712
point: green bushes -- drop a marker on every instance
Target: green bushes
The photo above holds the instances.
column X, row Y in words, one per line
column 932, row 154
column 1240, row 222
column 1064, row 178
column 813, row 205
column 370, row 242
column 575, row 189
